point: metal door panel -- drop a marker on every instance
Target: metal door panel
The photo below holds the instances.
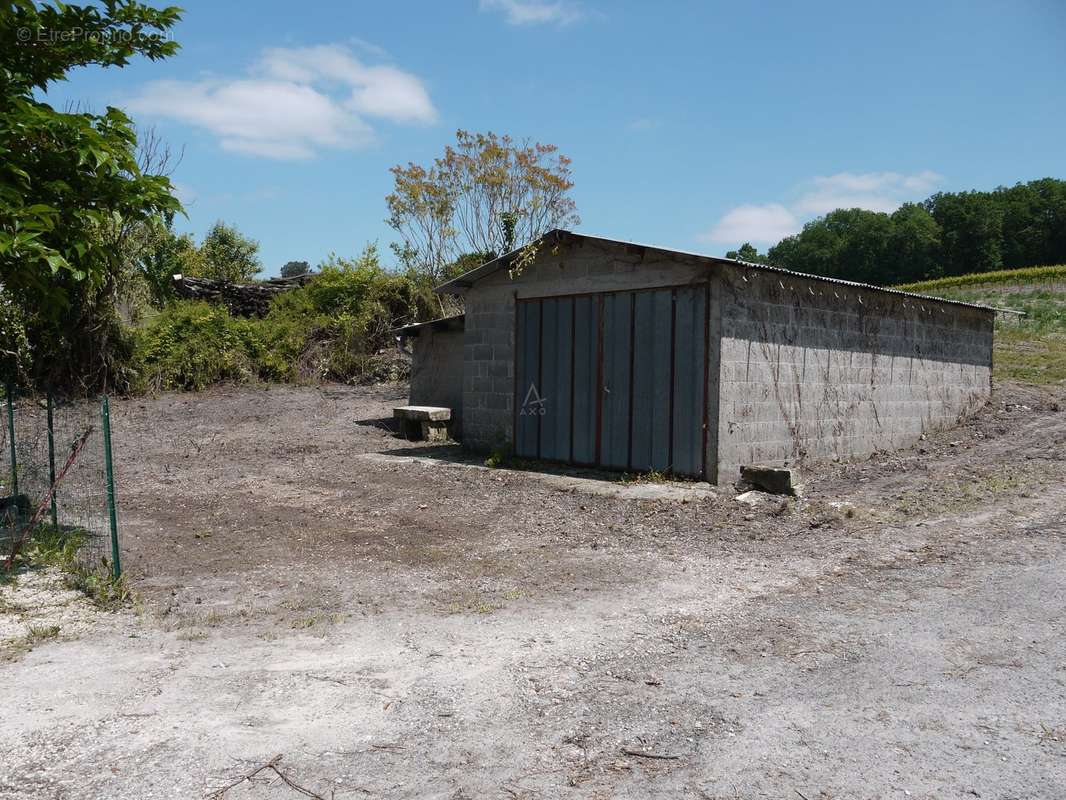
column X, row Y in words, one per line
column 586, row 384
column 617, row 361
column 652, row 320
column 556, row 352
column 615, row 379
column 690, row 359
column 528, row 407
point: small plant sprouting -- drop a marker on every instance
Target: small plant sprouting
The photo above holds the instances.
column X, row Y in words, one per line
column 50, row 547
column 499, row 457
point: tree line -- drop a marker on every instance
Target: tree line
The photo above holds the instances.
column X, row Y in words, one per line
column 87, row 239
column 950, row 233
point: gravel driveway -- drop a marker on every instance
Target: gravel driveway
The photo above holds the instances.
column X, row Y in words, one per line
column 400, row 627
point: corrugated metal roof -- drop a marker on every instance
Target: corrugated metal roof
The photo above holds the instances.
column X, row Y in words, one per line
column 452, row 322
column 468, row 279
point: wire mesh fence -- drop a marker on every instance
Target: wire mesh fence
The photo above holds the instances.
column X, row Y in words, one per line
column 59, row 481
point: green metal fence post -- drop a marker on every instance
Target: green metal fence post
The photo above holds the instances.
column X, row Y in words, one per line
column 11, row 443
column 52, row 463
column 116, row 563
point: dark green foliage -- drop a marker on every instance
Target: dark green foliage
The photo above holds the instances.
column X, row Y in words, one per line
column 913, row 248
column 747, row 252
column 66, row 179
column 951, row 233
column 192, row 345
column 107, row 36
column 293, row 269
column 62, row 548
column 228, row 255
column 332, row 328
column 860, row 245
column 163, row 255
column 971, row 226
column 1034, row 223
column 14, row 341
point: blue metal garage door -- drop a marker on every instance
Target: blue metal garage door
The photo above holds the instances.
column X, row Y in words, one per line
column 615, row 379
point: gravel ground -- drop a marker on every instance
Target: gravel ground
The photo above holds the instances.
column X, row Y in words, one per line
column 401, row 627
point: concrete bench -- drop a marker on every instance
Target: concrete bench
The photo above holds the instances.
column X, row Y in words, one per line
column 424, row 422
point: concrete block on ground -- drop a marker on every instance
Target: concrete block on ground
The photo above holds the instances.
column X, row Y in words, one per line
column 431, row 413
column 429, row 423
column 434, row 431
column 776, row 480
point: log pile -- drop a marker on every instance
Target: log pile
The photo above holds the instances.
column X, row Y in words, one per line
column 241, row 299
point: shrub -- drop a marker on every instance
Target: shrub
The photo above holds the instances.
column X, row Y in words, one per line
column 15, row 351
column 191, row 345
column 336, row 327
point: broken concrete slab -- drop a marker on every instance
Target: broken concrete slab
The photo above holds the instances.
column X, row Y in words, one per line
column 752, row 498
column 776, row 480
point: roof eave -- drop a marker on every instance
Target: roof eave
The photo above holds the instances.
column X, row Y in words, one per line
column 454, row 322
column 468, row 279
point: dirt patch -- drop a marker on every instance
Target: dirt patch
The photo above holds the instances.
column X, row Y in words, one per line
column 419, row 628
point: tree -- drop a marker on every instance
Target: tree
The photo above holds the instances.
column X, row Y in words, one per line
column 229, row 255
column 971, row 225
column 294, row 269
column 914, row 246
column 1034, row 222
column 486, row 195
column 950, row 233
column 849, row 243
column 66, row 177
column 747, row 252
column 160, row 255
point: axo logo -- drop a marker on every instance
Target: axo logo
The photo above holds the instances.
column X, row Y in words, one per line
column 533, row 405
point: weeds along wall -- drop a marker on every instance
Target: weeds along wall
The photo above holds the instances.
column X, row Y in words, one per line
column 62, row 443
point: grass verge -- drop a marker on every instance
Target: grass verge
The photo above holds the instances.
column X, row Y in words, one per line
column 64, row 550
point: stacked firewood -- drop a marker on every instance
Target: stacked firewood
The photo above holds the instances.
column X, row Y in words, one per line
column 241, row 299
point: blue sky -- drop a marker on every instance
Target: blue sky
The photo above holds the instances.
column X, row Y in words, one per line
column 691, row 125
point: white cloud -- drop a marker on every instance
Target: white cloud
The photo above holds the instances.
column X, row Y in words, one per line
column 769, row 223
column 294, row 103
column 535, row 12
column 874, row 191
column 751, row 223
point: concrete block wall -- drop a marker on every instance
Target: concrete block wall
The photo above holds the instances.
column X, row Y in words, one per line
column 813, row 371
column 488, row 371
column 437, row 372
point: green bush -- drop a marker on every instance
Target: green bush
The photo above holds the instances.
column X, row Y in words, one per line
column 333, row 328
column 15, row 351
column 190, row 345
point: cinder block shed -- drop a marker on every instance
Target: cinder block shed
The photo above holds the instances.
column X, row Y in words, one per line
column 601, row 352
